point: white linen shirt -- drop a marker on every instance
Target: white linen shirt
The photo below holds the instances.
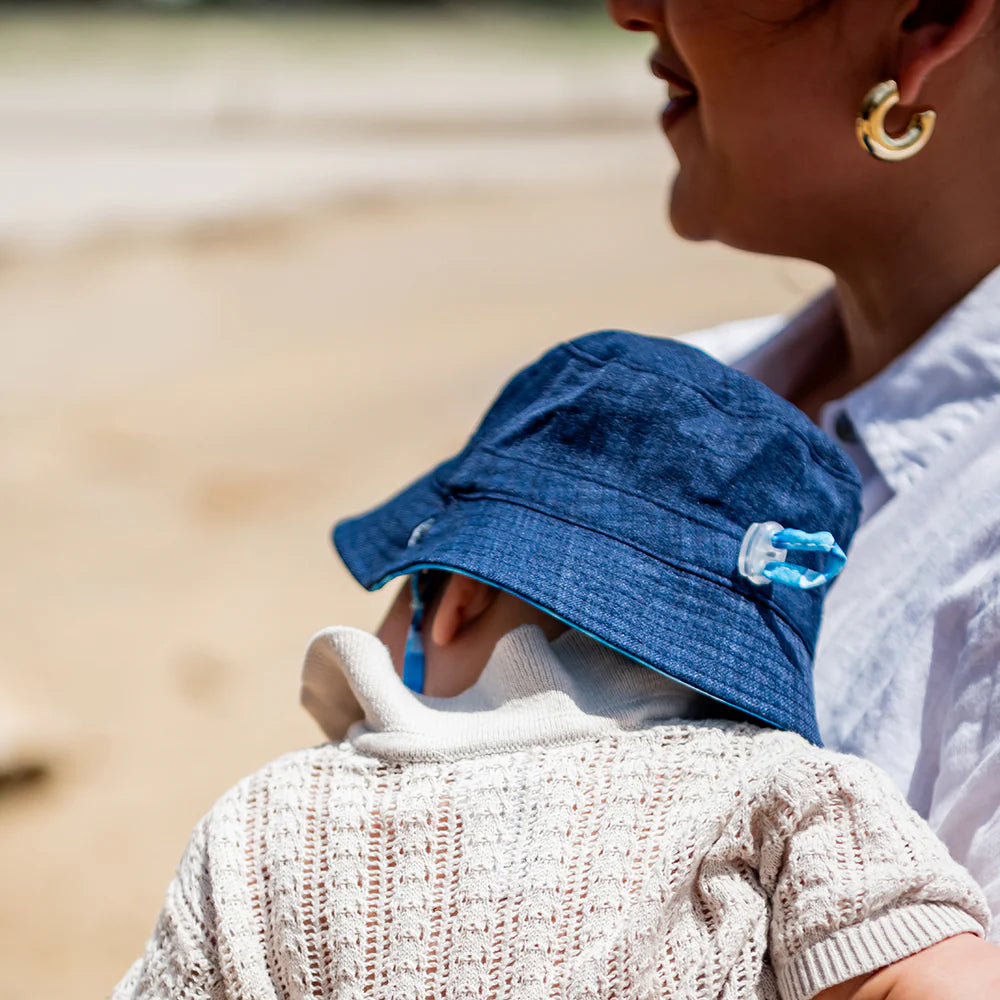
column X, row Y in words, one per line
column 908, row 662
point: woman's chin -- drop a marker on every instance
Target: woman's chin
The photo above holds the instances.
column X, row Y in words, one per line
column 688, row 214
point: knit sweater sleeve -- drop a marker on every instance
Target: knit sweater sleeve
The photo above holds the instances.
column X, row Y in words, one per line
column 229, row 928
column 181, row 960
column 856, row 879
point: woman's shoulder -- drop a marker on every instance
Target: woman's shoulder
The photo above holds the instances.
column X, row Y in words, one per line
column 734, row 340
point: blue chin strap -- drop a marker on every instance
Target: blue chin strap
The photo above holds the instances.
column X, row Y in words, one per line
column 413, row 659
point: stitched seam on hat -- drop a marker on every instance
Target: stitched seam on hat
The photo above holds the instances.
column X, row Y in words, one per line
column 577, row 474
column 698, row 571
column 596, row 362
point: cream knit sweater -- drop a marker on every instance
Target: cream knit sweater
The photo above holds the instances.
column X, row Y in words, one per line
column 557, row 831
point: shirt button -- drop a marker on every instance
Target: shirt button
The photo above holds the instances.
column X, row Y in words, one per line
column 844, row 428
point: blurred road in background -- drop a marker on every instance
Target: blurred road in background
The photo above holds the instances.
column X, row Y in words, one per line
column 255, row 273
column 114, row 130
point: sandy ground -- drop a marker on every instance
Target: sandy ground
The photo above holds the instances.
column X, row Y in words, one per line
column 185, row 412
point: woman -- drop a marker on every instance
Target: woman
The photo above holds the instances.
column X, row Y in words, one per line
column 775, row 113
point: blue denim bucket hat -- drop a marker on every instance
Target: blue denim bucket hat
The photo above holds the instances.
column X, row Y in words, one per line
column 615, row 483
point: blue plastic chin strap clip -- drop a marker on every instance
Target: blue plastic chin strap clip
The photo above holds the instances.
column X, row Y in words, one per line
column 413, row 659
column 763, row 556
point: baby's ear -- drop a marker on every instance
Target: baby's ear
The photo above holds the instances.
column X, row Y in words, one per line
column 461, row 603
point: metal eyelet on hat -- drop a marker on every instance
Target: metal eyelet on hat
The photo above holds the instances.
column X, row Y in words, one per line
column 419, row 532
column 763, row 557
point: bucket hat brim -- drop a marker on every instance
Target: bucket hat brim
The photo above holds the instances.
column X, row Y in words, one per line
column 673, row 614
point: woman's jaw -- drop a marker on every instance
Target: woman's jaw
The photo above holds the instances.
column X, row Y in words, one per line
column 679, row 121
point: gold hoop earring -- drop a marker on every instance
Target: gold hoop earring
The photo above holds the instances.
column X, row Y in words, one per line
column 870, row 126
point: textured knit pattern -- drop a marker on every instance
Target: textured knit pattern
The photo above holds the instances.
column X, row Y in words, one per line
column 612, row 854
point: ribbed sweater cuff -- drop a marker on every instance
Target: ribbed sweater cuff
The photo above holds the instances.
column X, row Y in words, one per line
column 870, row 945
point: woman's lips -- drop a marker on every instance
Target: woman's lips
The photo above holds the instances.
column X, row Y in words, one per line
column 682, row 94
column 676, row 108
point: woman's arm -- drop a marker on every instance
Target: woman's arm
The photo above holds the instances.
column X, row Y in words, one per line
column 961, row 968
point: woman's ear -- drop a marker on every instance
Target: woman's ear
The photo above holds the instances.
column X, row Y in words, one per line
column 462, row 602
column 932, row 33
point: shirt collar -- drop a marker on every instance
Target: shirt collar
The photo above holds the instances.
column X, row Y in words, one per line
column 530, row 692
column 919, row 405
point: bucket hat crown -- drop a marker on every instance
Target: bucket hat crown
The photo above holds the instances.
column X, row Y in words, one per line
column 612, row 483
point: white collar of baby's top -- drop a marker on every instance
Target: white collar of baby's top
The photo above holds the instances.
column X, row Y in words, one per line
column 530, row 692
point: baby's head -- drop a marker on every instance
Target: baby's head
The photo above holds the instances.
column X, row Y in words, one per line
column 634, row 489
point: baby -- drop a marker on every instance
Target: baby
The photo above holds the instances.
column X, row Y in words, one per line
column 587, row 763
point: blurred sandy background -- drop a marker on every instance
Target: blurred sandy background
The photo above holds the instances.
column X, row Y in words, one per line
column 255, row 272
